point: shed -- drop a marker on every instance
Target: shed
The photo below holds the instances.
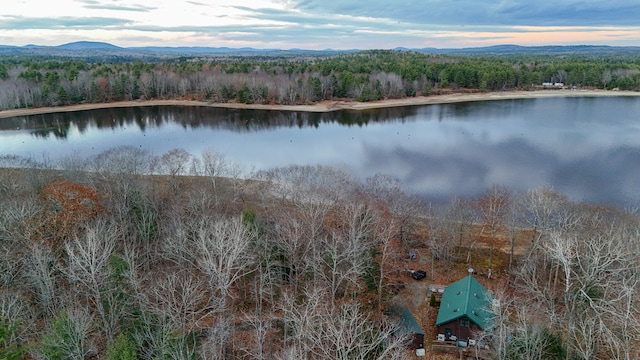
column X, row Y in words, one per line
column 465, row 308
column 409, row 326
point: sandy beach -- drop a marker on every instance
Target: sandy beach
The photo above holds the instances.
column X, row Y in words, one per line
column 327, row 106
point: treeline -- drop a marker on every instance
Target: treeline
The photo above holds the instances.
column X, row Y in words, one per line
column 363, row 76
column 127, row 255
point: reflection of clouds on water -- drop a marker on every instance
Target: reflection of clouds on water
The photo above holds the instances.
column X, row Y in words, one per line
column 550, row 142
column 587, row 148
column 466, row 170
column 608, row 177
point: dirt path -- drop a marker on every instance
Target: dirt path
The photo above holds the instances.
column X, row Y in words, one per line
column 327, row 106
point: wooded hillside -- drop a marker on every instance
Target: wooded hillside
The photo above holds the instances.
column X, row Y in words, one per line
column 128, row 255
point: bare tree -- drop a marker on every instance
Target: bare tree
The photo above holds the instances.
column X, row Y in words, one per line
column 293, row 237
column 441, row 238
column 18, row 225
column 173, row 306
column 74, row 165
column 459, row 216
column 67, row 335
column 88, row 267
column 409, row 211
column 317, row 184
column 215, row 344
column 145, row 83
column 42, row 276
column 392, row 84
column 493, row 205
column 214, row 166
column 180, row 297
column 582, row 277
column 625, row 320
column 261, row 327
column 502, row 307
column 324, row 331
column 15, row 311
column 161, row 341
column 515, row 224
column 347, row 250
column 222, row 253
column 385, row 241
column 530, row 336
column 545, row 209
column 175, row 162
column 123, row 161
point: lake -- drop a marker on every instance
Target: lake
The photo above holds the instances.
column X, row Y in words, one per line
column 587, row 147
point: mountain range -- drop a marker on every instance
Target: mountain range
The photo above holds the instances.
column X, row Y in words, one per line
column 92, row 49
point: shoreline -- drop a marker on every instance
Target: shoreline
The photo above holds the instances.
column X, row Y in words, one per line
column 328, row 106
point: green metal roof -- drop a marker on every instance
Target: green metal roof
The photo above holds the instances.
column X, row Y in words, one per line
column 408, row 322
column 466, row 297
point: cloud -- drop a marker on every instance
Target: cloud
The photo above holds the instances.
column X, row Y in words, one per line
column 287, row 23
column 571, row 13
column 494, row 12
column 98, row 5
column 22, row 23
column 295, row 17
column 345, row 24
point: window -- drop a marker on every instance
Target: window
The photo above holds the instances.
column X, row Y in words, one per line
column 464, row 322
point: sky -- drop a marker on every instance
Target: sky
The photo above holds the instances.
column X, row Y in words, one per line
column 321, row 24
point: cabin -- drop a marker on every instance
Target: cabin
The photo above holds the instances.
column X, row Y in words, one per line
column 465, row 309
column 408, row 325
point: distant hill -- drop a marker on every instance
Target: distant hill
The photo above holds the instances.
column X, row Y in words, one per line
column 33, row 46
column 196, row 49
column 542, row 50
column 101, row 51
column 88, row 45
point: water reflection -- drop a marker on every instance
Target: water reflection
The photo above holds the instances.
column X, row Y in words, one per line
column 587, row 148
column 59, row 124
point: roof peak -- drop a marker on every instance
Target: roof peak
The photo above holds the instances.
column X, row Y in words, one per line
column 465, row 297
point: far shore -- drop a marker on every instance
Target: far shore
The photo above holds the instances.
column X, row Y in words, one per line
column 327, row 106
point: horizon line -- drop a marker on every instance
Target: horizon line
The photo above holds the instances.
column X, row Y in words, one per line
column 317, row 49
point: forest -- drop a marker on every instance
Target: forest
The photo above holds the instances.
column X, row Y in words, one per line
column 129, row 255
column 36, row 81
